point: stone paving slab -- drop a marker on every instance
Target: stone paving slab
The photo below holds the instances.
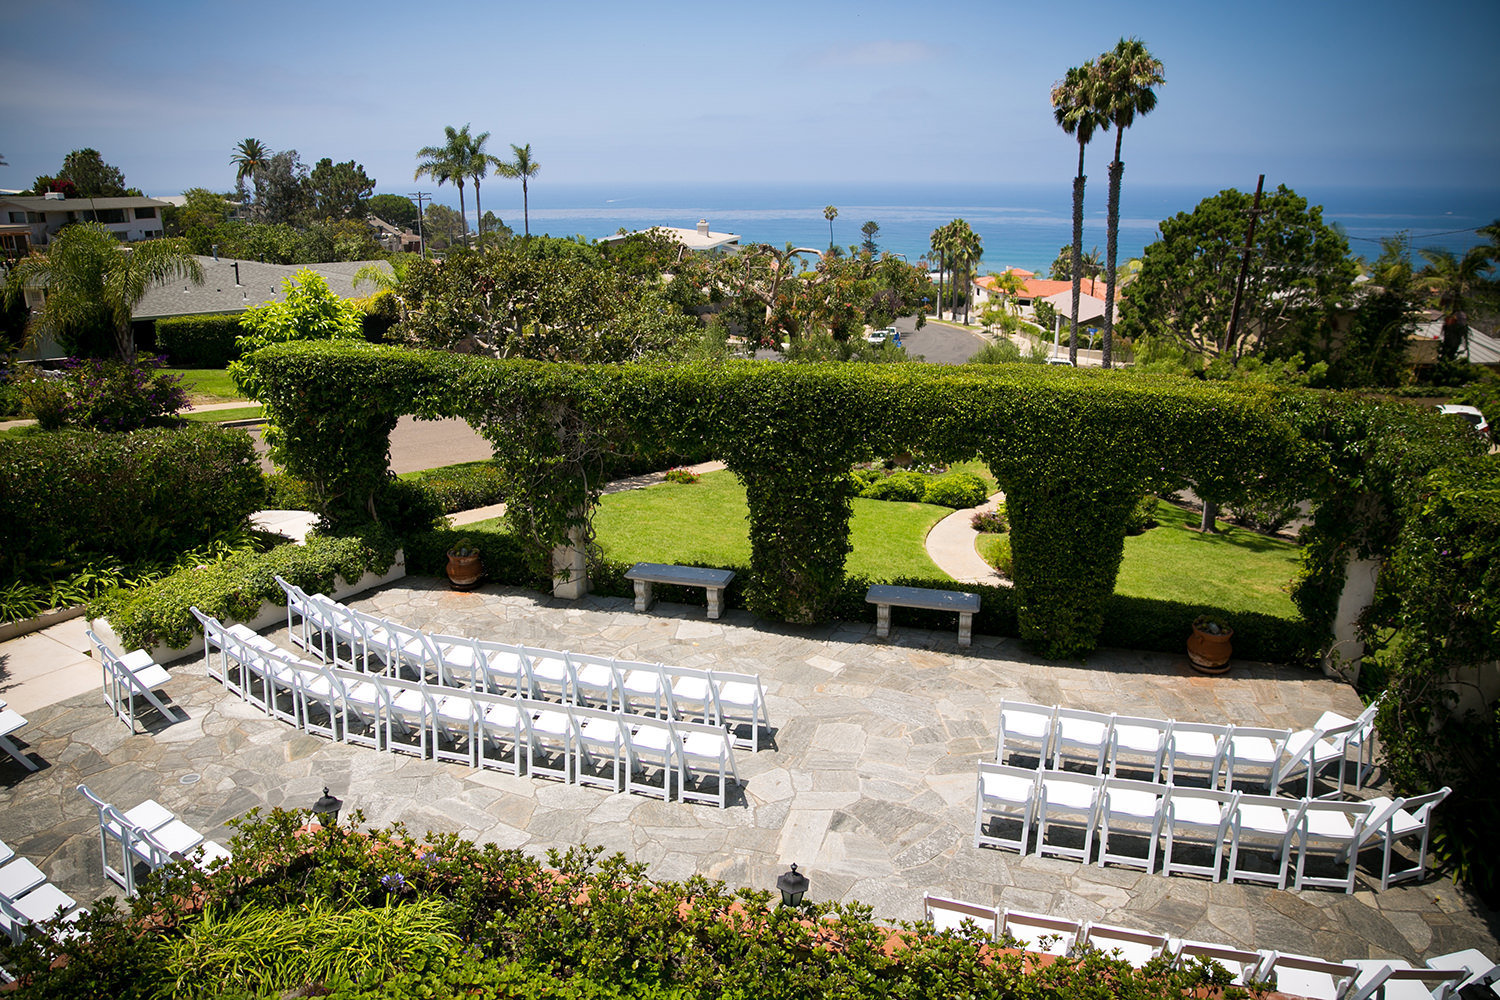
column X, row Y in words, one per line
column 869, row 787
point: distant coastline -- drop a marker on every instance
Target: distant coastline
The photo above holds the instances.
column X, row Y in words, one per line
column 1021, row 225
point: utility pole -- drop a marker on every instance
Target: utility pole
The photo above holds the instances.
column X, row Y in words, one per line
column 1239, row 287
column 419, row 196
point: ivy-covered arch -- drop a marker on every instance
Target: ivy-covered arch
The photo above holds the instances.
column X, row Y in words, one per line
column 1072, row 450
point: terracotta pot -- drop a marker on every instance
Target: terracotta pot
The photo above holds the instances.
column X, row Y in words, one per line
column 464, row 571
column 1208, row 652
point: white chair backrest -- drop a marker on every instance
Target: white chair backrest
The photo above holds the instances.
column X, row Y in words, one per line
column 950, row 914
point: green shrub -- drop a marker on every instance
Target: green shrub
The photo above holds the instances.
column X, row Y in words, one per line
column 284, row 492
column 142, row 495
column 114, row 395
column 235, row 587
column 990, row 522
column 501, row 554
column 682, row 475
column 995, row 550
column 901, row 486
column 199, row 341
column 463, row 487
column 1143, row 514
column 959, row 490
column 44, row 398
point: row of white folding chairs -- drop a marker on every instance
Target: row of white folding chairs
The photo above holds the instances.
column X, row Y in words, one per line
column 322, row 625
column 12, row 722
column 131, row 677
column 577, row 744
column 1294, row 975
column 1209, row 751
column 1293, row 831
column 28, row 900
column 148, row 834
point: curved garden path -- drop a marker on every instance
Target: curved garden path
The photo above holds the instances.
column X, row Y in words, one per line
column 950, row 544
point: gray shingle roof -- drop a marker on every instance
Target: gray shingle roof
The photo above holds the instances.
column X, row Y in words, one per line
column 258, row 283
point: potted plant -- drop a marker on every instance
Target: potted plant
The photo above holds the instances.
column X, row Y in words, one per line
column 1208, row 647
column 464, row 567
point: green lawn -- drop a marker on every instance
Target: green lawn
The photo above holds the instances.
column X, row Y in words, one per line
column 1236, row 569
column 219, row 416
column 210, row 385
column 704, row 522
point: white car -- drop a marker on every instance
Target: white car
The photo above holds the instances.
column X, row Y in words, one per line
column 1061, row 361
column 1469, row 413
column 878, row 337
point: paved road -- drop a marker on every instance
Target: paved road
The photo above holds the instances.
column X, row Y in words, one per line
column 419, row 444
column 938, row 343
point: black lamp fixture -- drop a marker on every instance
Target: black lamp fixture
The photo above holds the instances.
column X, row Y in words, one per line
column 793, row 886
column 326, row 809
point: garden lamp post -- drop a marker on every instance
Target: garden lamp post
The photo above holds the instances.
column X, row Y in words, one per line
column 793, row 886
column 326, row 809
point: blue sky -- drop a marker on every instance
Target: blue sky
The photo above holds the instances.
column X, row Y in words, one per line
column 1315, row 93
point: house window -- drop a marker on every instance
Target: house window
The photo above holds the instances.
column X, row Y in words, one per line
column 108, row 216
column 34, row 217
column 145, row 213
column 18, row 217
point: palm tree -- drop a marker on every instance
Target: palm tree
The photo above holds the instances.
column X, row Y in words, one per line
column 966, row 248
column 939, row 241
column 830, row 213
column 479, row 163
column 1074, row 108
column 91, row 279
column 1127, row 75
column 1454, row 280
column 524, row 167
column 250, row 157
column 449, row 163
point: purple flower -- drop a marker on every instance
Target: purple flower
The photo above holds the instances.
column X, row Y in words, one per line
column 393, row 882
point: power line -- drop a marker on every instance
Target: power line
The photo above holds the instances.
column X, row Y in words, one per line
column 1414, row 236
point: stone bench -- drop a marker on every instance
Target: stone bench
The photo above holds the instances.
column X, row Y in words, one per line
column 645, row 574
column 883, row 596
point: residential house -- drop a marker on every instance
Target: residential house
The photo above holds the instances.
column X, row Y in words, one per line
column 699, row 239
column 130, row 219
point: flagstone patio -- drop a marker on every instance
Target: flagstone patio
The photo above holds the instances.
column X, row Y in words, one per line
column 869, row 786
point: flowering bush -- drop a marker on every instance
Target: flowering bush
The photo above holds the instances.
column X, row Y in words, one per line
column 113, row 395
column 681, row 475
column 991, row 522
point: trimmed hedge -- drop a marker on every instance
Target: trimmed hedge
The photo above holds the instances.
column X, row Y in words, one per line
column 143, row 495
column 206, row 341
column 236, row 587
column 463, row 487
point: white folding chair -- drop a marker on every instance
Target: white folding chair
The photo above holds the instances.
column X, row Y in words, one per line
column 1311, row 751
column 218, row 667
column 1134, row 809
column 953, row 915
column 1005, row 792
column 1395, row 979
column 652, row 745
column 1196, row 817
column 596, row 681
column 1196, row 746
column 1025, row 724
column 1071, row 801
column 548, row 673
column 502, row 724
column 1243, row 966
column 1266, row 822
column 551, row 748
column 460, row 662
column 1360, row 739
column 1481, row 968
column 46, row 904
column 363, row 708
column 1330, row 828
column 308, row 622
column 344, row 631
column 705, row 752
column 503, row 669
column 408, row 715
column 11, row 722
column 742, row 705
column 1412, row 817
column 644, row 682
column 1313, row 978
column 1254, row 749
column 112, row 827
column 317, row 694
column 599, row 736
column 454, row 719
column 1125, row 943
column 109, row 660
column 1039, row 933
column 1134, row 737
column 1081, row 734
column 694, row 694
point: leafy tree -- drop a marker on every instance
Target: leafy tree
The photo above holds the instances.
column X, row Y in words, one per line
column 1062, row 267
column 1075, row 106
column 283, row 192
column 444, row 227
column 869, row 230
column 830, row 213
column 340, row 190
column 1299, row 274
column 479, row 163
column 449, row 164
column 966, row 249
column 1128, row 75
column 492, row 229
column 1373, row 348
column 396, row 209
column 1454, row 282
column 249, row 157
column 202, row 210
column 93, row 284
column 525, row 168
column 92, row 177
column 317, row 243
column 310, row 310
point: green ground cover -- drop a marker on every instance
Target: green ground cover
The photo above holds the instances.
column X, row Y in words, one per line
column 211, row 385
column 219, row 416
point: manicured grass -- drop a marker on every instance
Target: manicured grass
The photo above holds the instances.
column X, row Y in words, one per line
column 219, row 416
column 211, row 385
column 1236, row 569
column 23, row 431
column 441, row 469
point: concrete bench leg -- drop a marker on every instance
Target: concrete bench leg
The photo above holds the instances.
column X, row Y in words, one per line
column 965, row 627
column 883, row 621
column 642, row 595
column 715, row 601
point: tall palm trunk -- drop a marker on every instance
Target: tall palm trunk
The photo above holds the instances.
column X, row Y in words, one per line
column 463, row 214
column 478, row 211
column 941, row 287
column 525, row 203
column 1112, row 243
column 1078, row 184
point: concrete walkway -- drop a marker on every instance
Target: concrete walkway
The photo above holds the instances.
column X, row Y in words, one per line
column 617, row 486
column 950, row 544
column 868, row 784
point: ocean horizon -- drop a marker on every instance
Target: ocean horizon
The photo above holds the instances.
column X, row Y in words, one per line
column 1021, row 225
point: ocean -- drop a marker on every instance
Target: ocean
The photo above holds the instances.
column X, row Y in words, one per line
column 1020, row 225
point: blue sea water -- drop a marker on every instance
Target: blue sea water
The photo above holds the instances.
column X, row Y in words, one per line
column 1021, row 225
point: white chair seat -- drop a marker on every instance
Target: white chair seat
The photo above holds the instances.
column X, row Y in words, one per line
column 1068, row 795
column 1005, row 787
column 454, row 709
column 1128, row 802
column 177, row 837
column 1402, row 822
column 550, row 723
column 1139, row 739
column 1264, row 819
column 137, row 660
column 655, row 739
column 149, row 815
column 5, row 852
column 502, row 716
column 43, row 903
column 602, row 731
column 20, row 877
